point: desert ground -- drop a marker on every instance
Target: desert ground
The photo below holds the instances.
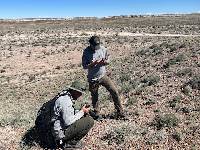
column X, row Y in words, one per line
column 155, row 65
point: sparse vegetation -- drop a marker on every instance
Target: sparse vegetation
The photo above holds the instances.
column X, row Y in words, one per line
column 131, row 101
column 195, row 82
column 186, row 89
column 150, row 102
column 167, row 120
column 177, row 136
column 175, row 60
column 156, row 137
column 34, row 69
column 175, row 101
column 185, row 71
column 117, row 136
column 151, row 80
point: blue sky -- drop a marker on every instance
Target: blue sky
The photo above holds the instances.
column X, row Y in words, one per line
column 99, row 8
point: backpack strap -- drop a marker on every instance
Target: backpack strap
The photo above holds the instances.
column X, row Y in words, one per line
column 63, row 93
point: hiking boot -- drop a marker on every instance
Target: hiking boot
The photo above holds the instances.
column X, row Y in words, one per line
column 118, row 116
column 121, row 116
column 72, row 145
column 96, row 116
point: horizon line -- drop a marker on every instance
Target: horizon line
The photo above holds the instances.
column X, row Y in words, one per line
column 97, row 17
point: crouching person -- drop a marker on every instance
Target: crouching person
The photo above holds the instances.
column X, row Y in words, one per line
column 69, row 126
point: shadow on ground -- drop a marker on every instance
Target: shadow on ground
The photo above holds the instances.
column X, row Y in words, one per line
column 37, row 139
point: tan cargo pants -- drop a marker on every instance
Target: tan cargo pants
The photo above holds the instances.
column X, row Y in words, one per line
column 109, row 85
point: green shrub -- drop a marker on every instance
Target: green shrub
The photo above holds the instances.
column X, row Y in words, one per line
column 195, row 82
column 164, row 45
column 186, row 89
column 177, row 136
column 173, row 47
column 167, row 120
column 175, row 101
column 124, row 78
column 117, row 135
column 150, row 102
column 151, row 80
column 126, row 87
column 156, row 51
column 153, row 46
column 175, row 60
column 131, row 101
column 139, row 90
column 184, row 72
column 142, row 52
column 156, row 137
column 134, row 83
column 186, row 110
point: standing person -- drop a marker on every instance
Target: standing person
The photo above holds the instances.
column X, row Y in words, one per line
column 95, row 58
column 69, row 126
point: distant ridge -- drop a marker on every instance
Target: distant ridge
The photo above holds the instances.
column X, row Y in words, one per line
column 95, row 18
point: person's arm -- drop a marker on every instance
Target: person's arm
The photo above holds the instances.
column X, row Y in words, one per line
column 86, row 64
column 67, row 112
column 93, row 63
column 106, row 60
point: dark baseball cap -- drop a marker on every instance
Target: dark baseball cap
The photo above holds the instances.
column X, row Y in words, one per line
column 95, row 41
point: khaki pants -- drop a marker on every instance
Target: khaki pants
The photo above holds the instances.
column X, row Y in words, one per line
column 109, row 85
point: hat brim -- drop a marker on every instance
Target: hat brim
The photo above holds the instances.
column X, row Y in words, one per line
column 76, row 90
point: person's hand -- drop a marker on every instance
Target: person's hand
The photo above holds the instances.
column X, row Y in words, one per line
column 93, row 63
column 102, row 62
column 85, row 109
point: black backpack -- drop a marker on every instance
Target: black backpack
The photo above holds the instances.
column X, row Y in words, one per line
column 43, row 122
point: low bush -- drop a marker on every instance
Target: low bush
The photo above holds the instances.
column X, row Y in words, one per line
column 117, row 136
column 175, row 60
column 131, row 101
column 195, row 82
column 174, row 102
column 184, row 72
column 167, row 120
column 151, row 80
column 177, row 136
column 150, row 102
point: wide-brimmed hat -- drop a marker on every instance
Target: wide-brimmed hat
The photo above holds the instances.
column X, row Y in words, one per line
column 78, row 86
column 95, row 42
